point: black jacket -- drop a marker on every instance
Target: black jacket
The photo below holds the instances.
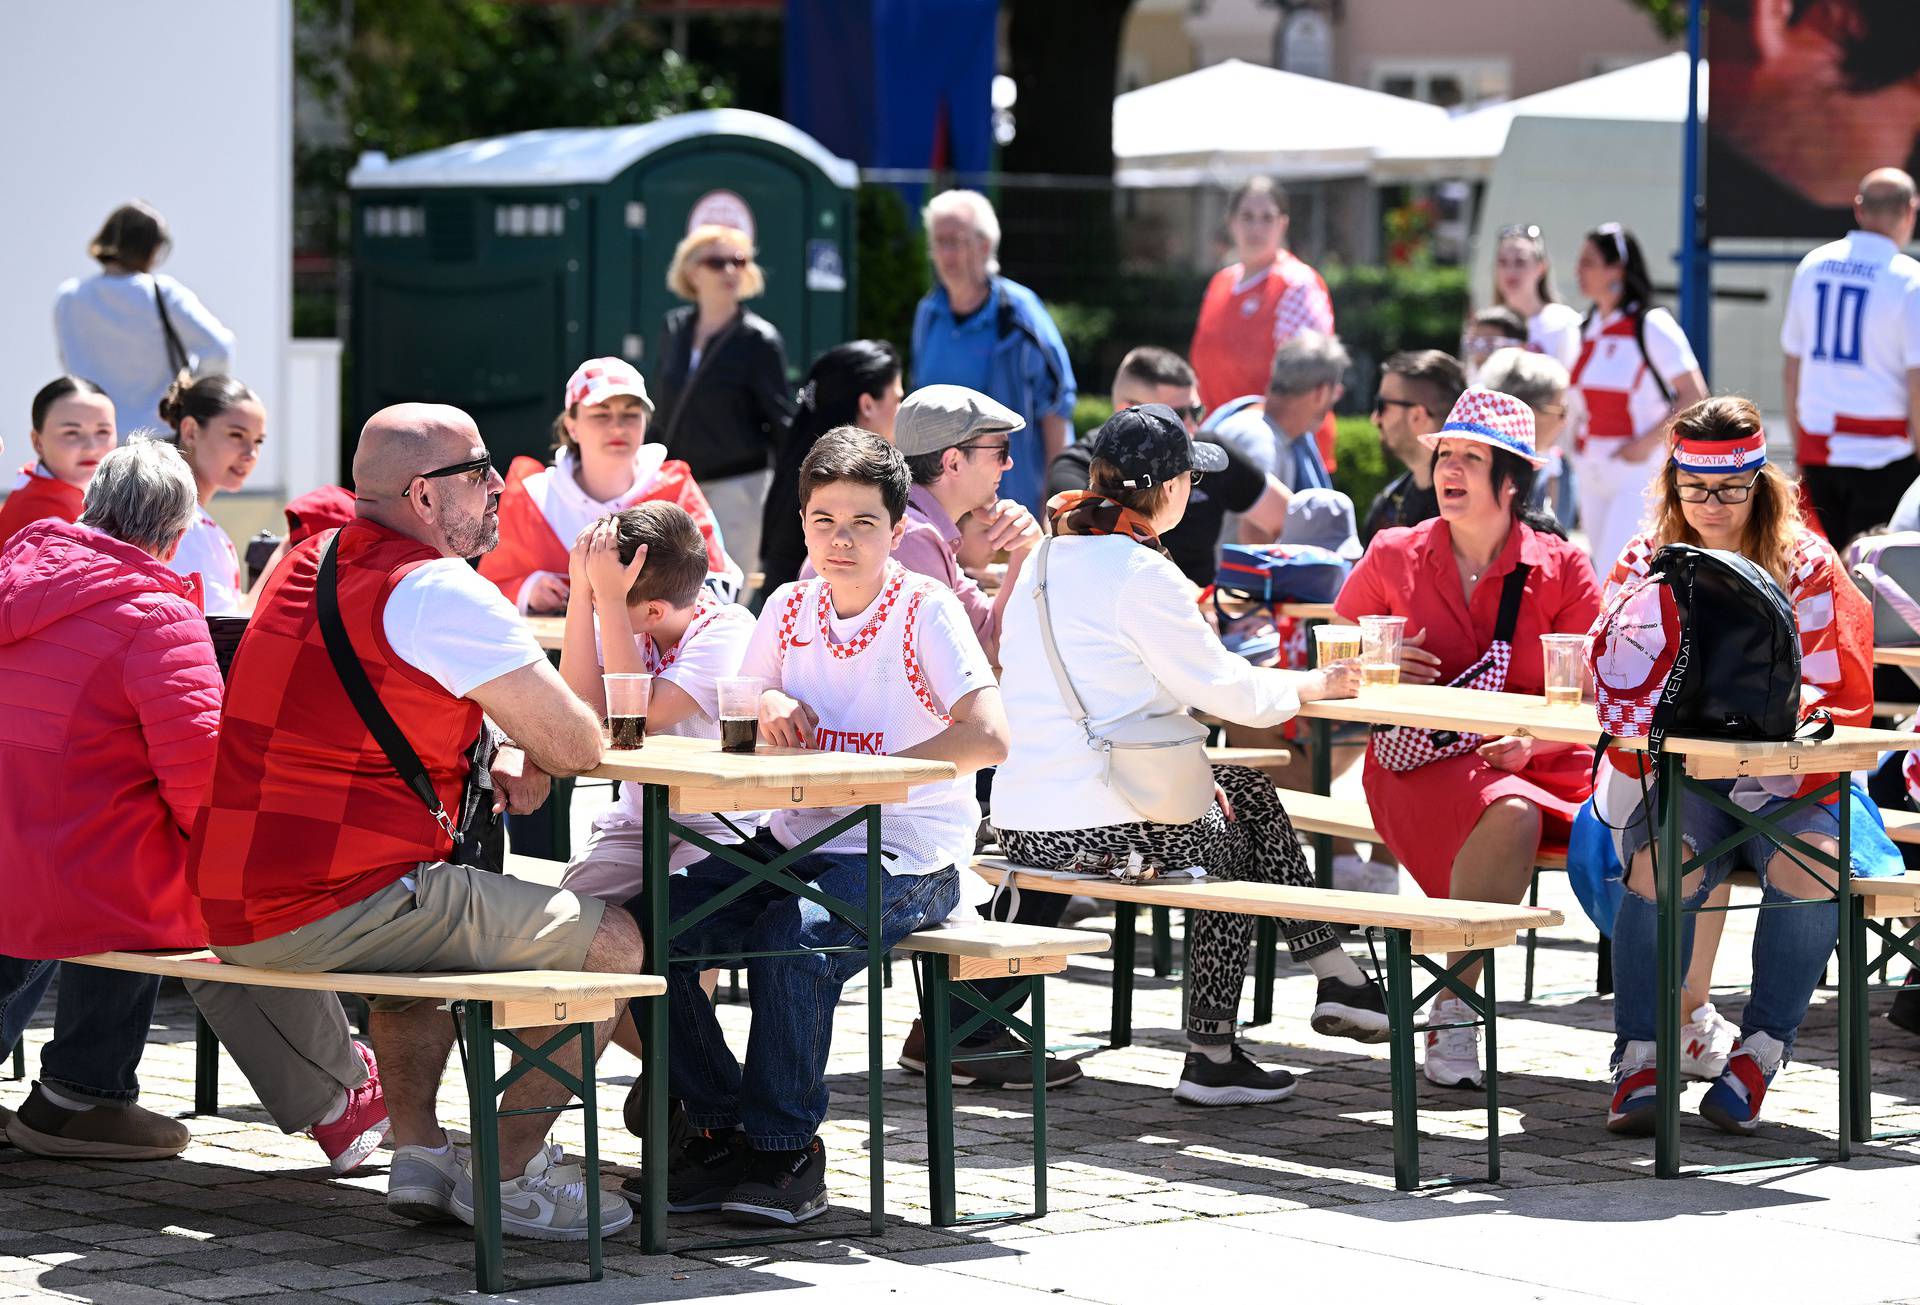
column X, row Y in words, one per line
column 737, row 411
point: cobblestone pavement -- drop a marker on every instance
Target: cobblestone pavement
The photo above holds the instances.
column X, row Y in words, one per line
column 1148, row 1197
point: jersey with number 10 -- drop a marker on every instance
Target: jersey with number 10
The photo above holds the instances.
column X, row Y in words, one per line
column 1853, row 321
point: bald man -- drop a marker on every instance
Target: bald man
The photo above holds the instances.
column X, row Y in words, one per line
column 1852, row 373
column 314, row 854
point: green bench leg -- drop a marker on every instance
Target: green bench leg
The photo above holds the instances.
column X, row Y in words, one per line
column 1266, row 956
column 1402, row 1005
column 1120, row 1034
column 1533, row 899
column 206, row 1067
column 1162, row 941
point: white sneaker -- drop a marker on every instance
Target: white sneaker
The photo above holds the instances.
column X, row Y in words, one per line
column 548, row 1202
column 1706, row 1040
column 1453, row 1055
column 420, row 1183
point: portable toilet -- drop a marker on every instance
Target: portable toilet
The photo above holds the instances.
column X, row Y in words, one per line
column 484, row 272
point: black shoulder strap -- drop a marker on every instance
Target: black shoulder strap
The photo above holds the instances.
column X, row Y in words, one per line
column 353, row 676
column 1510, row 593
column 177, row 355
column 1640, row 338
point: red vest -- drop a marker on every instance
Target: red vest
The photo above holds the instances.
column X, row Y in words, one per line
column 305, row 814
column 40, row 497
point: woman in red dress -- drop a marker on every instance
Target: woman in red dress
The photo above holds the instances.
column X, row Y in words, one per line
column 1472, row 826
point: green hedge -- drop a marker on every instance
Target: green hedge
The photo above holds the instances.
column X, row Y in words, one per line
column 1364, row 466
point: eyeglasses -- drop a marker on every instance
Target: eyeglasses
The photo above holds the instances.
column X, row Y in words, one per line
column 1522, row 231
column 1551, row 410
column 1193, row 411
column 721, row 262
column 1380, row 405
column 1003, row 450
column 1720, row 493
column 476, row 468
column 1198, row 476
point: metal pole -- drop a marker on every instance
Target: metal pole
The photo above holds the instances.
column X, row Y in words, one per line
column 1037, row 986
column 1406, row 1099
column 1121, row 1034
column 1668, row 969
column 1851, row 994
column 936, row 1015
column 1696, row 308
column 653, row 932
column 876, row 1106
column 489, row 1255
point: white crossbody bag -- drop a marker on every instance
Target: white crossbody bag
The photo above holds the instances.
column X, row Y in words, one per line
column 1156, row 761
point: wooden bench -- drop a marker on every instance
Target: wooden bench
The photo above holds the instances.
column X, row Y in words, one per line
column 486, row 1008
column 1415, row 928
column 1023, row 954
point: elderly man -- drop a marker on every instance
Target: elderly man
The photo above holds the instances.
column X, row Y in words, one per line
column 1852, row 372
column 1276, row 430
column 107, row 759
column 978, row 329
column 314, row 854
column 1418, row 388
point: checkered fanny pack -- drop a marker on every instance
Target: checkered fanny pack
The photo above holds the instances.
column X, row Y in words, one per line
column 1408, row 747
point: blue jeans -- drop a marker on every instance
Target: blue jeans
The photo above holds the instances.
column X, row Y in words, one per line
column 1790, row 946
column 781, row 1097
column 99, row 1025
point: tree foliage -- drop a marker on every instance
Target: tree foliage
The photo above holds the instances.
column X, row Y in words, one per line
column 1669, row 16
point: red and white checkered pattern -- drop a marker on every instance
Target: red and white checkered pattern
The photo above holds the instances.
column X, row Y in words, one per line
column 598, row 379
column 1405, row 747
column 1492, row 418
column 1304, row 305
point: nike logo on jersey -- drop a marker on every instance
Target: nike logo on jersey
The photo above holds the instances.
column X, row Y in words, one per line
column 798, row 643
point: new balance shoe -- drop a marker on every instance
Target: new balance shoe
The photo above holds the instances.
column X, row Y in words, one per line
column 420, row 1182
column 362, row 1125
column 547, row 1202
column 1350, row 1010
column 1905, row 1012
column 781, row 1187
column 1236, row 1082
column 1453, row 1054
column 97, row 1133
column 1732, row 1104
column 1635, row 1084
column 1706, row 1040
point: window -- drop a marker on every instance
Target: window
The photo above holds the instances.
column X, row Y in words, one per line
column 1451, row 84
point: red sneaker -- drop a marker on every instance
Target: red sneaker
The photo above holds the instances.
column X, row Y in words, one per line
column 358, row 1132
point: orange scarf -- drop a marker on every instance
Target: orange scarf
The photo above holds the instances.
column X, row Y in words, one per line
column 1084, row 512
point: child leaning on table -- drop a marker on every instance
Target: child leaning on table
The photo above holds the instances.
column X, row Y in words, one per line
column 638, row 576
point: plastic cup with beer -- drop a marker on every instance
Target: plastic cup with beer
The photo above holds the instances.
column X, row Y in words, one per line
column 627, row 699
column 1335, row 643
column 1566, row 658
column 1380, row 649
column 739, row 712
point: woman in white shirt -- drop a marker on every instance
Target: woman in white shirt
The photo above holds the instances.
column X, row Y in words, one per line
column 219, row 426
column 1123, row 618
column 129, row 330
column 1523, row 281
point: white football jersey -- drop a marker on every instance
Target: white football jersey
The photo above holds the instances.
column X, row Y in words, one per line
column 1853, row 321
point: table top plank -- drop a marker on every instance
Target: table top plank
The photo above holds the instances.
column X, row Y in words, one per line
column 548, row 631
column 1902, row 656
column 517, row 985
column 700, row 764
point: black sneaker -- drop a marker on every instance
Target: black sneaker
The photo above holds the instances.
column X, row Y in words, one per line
column 1239, row 1082
column 990, row 1067
column 1350, row 1010
column 701, row 1174
column 781, row 1187
column 1906, row 1004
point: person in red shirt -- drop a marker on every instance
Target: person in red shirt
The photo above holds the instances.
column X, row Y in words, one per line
column 1257, row 303
column 1472, row 826
column 72, row 430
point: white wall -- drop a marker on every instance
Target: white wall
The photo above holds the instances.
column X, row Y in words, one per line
column 186, row 104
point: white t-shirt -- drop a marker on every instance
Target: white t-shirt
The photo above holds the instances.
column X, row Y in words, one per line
column 1555, row 331
column 1617, row 389
column 868, row 700
column 206, row 549
column 446, row 621
column 1853, row 321
column 711, row 650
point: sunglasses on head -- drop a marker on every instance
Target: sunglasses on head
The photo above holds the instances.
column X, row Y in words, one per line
column 1520, row 231
column 721, row 262
column 477, row 467
column 1615, row 232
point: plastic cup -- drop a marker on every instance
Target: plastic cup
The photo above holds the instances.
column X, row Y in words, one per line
column 1566, row 668
column 1380, row 649
column 739, row 712
column 627, row 699
column 1335, row 643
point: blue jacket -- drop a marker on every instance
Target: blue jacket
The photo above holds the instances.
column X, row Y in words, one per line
column 1011, row 351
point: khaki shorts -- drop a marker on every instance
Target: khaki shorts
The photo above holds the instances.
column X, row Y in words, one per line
column 439, row 918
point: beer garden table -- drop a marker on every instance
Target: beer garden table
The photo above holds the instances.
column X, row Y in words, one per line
column 694, row 775
column 1684, row 764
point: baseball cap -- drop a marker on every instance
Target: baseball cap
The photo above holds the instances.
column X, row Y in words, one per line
column 598, row 379
column 936, row 417
column 1149, row 445
column 1324, row 518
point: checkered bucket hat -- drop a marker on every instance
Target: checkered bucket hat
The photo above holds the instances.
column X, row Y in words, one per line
column 1492, row 418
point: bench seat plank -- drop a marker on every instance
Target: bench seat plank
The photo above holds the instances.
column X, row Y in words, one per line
column 1330, row 905
column 1314, row 813
column 544, row 986
column 998, row 941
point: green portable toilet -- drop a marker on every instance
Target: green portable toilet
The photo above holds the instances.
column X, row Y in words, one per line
column 484, row 272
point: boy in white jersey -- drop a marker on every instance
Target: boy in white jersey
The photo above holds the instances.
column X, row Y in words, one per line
column 865, row 657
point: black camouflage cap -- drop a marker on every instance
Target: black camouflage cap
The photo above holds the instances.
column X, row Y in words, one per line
column 1150, row 445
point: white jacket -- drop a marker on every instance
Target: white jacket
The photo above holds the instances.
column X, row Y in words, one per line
column 1132, row 640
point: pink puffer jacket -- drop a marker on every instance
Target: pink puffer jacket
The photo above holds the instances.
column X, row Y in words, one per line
column 109, row 709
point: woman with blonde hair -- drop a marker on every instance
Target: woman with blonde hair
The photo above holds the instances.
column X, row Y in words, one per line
column 1718, row 490
column 721, row 385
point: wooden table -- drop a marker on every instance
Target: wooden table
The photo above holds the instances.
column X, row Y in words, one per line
column 1684, row 764
column 548, row 631
column 1903, row 656
column 694, row 775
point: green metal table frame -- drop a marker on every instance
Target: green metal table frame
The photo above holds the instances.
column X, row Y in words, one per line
column 1671, row 866
column 659, row 932
column 1896, row 940
column 936, row 1014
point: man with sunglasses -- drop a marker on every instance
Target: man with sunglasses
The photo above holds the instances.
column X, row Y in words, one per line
column 313, row 853
column 1418, row 388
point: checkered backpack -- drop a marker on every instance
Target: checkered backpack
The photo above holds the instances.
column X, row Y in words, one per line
column 1695, row 609
column 1406, row 747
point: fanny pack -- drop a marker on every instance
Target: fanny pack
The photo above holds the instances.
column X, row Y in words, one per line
column 478, row 839
column 1408, row 747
